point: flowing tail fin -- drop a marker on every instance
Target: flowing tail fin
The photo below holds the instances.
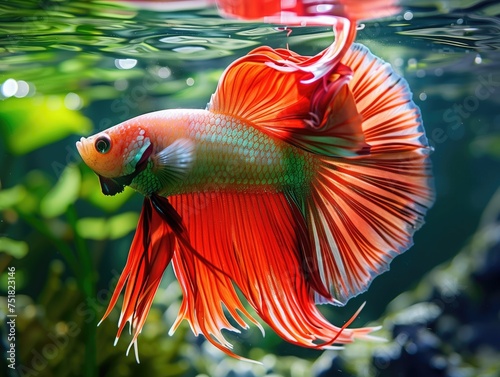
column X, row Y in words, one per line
column 373, row 185
column 363, row 210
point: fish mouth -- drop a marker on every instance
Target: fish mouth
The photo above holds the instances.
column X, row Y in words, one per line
column 79, row 145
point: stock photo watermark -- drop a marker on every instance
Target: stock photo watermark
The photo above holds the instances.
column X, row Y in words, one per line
column 456, row 115
column 11, row 317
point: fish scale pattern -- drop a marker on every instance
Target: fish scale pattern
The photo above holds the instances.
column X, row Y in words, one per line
column 231, row 154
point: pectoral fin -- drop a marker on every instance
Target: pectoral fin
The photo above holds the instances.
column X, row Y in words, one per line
column 174, row 162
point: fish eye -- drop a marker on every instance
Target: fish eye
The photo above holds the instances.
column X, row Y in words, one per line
column 103, row 144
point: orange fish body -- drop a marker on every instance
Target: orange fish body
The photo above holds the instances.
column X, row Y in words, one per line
column 300, row 182
column 216, row 151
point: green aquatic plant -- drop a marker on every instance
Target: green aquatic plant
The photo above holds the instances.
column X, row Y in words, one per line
column 24, row 131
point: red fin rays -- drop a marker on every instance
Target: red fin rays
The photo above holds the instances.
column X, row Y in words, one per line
column 283, row 248
column 364, row 210
column 150, row 253
column 322, row 64
column 255, row 243
column 258, row 240
column 301, row 100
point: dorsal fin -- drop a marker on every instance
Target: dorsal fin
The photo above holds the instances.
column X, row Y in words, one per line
column 265, row 88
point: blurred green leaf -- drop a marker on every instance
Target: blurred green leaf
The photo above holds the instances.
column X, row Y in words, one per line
column 17, row 249
column 109, row 203
column 36, row 185
column 12, row 196
column 489, row 145
column 93, row 228
column 122, row 224
column 30, row 123
column 97, row 228
column 64, row 193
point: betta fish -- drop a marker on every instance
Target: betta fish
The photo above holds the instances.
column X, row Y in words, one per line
column 297, row 185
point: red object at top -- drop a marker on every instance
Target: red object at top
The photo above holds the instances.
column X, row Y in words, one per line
column 307, row 12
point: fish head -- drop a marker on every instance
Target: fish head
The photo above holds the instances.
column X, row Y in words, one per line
column 116, row 155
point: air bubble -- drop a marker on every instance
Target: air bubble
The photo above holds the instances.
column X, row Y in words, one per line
column 408, row 15
column 9, row 88
column 72, row 101
column 23, row 89
column 125, row 63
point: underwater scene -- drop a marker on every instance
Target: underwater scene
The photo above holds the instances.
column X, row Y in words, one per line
column 293, row 219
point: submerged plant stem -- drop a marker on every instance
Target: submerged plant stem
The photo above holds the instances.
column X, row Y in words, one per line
column 88, row 286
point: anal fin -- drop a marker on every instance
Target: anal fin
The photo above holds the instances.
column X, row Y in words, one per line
column 256, row 242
